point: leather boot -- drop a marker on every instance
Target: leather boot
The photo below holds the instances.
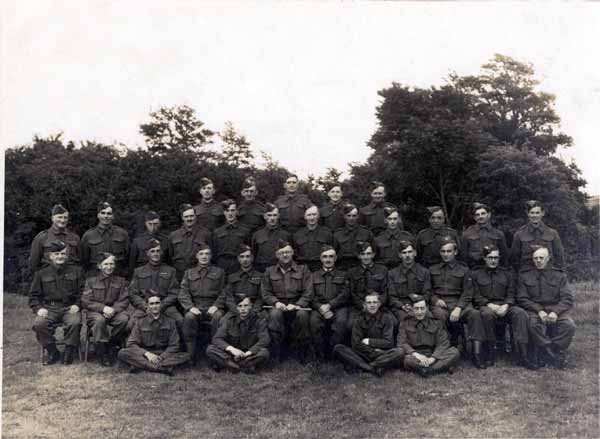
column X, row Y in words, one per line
column 524, row 360
column 103, row 354
column 490, row 357
column 68, row 356
column 477, row 355
column 53, row 355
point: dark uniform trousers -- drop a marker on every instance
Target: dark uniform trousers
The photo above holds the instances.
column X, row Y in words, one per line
column 380, row 352
column 225, row 243
column 429, row 242
column 148, row 280
column 264, row 246
column 451, row 283
column 547, row 290
column 307, row 245
column 292, row 286
column 250, row 334
column 202, row 288
column 427, row 337
column 330, row 287
column 345, row 240
column 157, row 336
column 104, row 291
column 497, row 286
column 56, row 290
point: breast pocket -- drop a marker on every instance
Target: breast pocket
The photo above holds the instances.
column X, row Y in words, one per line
column 119, row 246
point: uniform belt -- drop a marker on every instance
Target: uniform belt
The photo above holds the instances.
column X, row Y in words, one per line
column 53, row 302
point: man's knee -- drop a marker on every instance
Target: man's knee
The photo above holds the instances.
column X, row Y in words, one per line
column 40, row 324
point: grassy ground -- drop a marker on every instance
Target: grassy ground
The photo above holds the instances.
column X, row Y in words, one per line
column 88, row 401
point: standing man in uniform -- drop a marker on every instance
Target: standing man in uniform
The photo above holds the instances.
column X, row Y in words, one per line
column 137, row 251
column 407, row 278
column 105, row 238
column 346, row 239
column 331, row 304
column 429, row 240
column 545, row 294
column 372, row 215
column 386, row 244
column 287, row 289
column 153, row 344
column 264, row 242
column 480, row 235
column 185, row 241
column 201, row 296
column 244, row 283
column 251, row 212
column 424, row 341
column 331, row 212
column 57, row 232
column 226, row 240
column 209, row 213
column 372, row 340
column 309, row 239
column 292, row 206
column 452, row 297
column 54, row 298
column 536, row 234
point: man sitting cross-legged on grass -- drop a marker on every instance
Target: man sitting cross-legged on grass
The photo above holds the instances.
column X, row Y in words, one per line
column 154, row 342
column 372, row 340
column 242, row 340
column 424, row 340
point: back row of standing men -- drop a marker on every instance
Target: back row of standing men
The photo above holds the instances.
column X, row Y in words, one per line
column 217, row 230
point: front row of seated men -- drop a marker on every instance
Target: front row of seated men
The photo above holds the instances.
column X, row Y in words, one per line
column 253, row 317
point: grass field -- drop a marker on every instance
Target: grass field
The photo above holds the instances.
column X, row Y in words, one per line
column 87, row 401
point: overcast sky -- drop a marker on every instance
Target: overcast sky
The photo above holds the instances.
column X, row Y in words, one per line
column 300, row 80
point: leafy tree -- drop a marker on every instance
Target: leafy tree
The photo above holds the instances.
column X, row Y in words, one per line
column 235, row 149
column 175, row 128
column 510, row 108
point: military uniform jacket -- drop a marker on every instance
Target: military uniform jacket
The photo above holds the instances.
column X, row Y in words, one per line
column 202, row 287
column 139, row 247
column 493, row 286
column 112, row 239
column 451, row 281
column 404, row 281
column 56, row 286
column 209, row 215
column 184, row 244
column 387, row 244
column 528, row 236
column 362, row 279
column 290, row 286
column 149, row 280
column 291, row 209
column 429, row 243
column 264, row 243
column 544, row 290
column 243, row 284
column 330, row 287
column 251, row 214
column 102, row 290
column 476, row 237
column 250, row 334
column 345, row 239
column 154, row 335
column 39, row 247
column 378, row 328
column 226, row 240
column 332, row 216
column 372, row 216
column 427, row 335
column 307, row 243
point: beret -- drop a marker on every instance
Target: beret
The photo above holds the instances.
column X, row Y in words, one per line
column 414, row 298
column 447, row 240
column 487, row 249
column 103, row 205
column 387, row 211
column 375, row 184
column 202, row 246
column 533, row 203
column 56, row 246
column 205, row 182
column 57, row 209
column 434, row 209
column 282, row 243
column 248, row 183
column 104, row 256
column 183, row 207
column 226, row 204
column 151, row 215
column 477, row 206
column 403, row 245
column 152, row 243
column 326, row 248
column 243, row 249
column 362, row 246
column 348, row 208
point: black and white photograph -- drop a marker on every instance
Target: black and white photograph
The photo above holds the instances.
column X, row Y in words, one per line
column 289, row 219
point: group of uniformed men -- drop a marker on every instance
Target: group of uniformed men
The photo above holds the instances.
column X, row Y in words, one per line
column 266, row 280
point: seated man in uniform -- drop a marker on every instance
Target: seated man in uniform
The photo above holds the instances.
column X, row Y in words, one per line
column 424, row 341
column 105, row 299
column 546, row 296
column 287, row 290
column 372, row 340
column 154, row 343
column 201, row 296
column 331, row 304
column 54, row 297
column 244, row 283
column 242, row 340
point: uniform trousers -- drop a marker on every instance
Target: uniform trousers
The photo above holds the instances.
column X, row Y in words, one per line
column 220, row 357
column 367, row 357
column 134, row 356
column 338, row 324
column 44, row 327
column 559, row 334
column 515, row 316
column 468, row 315
column 105, row 330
